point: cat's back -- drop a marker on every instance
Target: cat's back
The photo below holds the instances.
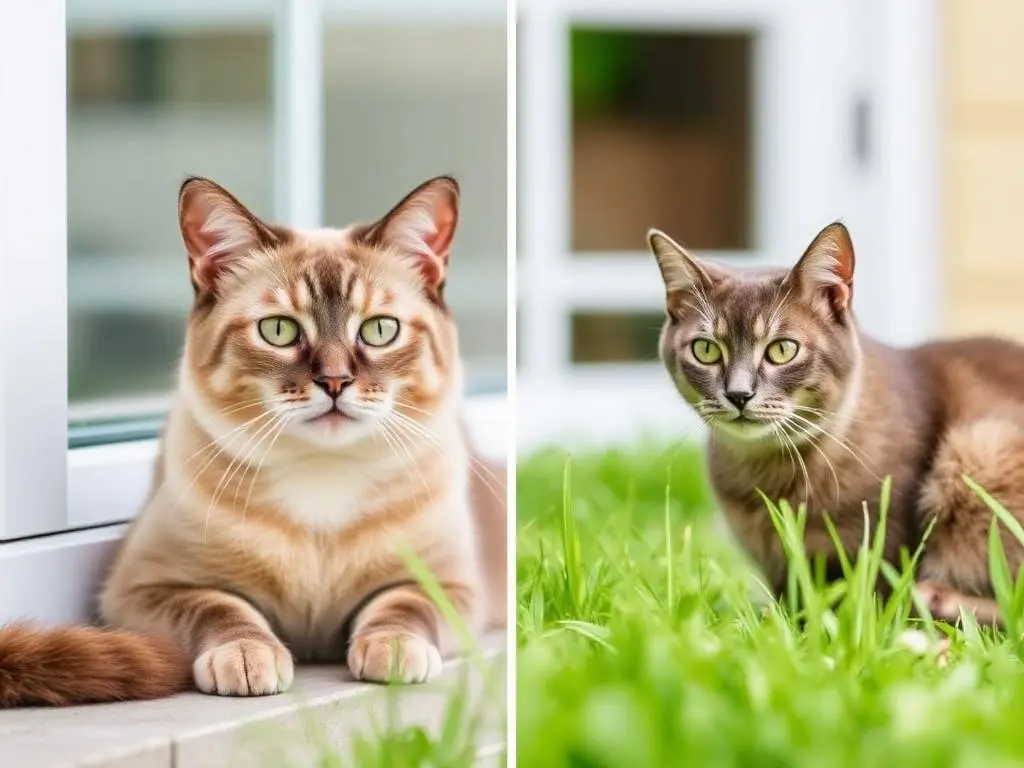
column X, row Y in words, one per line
column 974, row 374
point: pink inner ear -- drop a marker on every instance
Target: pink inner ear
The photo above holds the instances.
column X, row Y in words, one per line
column 840, row 296
column 197, row 242
column 440, row 240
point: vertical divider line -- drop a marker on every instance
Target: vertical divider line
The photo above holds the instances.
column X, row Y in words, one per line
column 298, row 107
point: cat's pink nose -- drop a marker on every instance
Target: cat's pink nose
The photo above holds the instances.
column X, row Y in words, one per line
column 332, row 385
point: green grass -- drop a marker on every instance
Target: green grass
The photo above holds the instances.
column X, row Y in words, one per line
column 645, row 639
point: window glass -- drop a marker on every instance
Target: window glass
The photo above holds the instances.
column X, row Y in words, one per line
column 147, row 107
column 404, row 102
column 665, row 119
column 615, row 337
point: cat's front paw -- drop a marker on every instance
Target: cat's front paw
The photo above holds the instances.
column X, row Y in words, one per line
column 393, row 657
column 244, row 668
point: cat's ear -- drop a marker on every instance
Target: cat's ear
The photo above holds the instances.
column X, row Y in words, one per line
column 217, row 230
column 421, row 227
column 679, row 270
column 826, row 268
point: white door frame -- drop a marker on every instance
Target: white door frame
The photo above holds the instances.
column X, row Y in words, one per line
column 811, row 61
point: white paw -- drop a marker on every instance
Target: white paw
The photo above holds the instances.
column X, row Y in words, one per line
column 244, row 668
column 393, row 657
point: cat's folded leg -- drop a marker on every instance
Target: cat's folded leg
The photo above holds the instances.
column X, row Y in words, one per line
column 947, row 604
column 235, row 651
column 954, row 570
column 400, row 635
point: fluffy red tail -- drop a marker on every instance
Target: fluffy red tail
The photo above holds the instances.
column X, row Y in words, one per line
column 79, row 665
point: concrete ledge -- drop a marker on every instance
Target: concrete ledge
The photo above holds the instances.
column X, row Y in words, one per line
column 322, row 714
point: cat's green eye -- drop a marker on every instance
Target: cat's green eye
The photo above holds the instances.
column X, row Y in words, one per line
column 379, row 331
column 706, row 351
column 781, row 351
column 279, row 331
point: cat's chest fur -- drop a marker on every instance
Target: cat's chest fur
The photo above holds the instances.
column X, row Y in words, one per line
column 325, row 495
column 305, row 580
column 829, row 480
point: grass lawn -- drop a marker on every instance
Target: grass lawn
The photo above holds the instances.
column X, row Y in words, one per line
column 645, row 641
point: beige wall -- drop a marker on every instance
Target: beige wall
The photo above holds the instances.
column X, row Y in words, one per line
column 983, row 167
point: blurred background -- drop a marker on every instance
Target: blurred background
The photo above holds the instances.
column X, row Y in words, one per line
column 399, row 91
column 742, row 127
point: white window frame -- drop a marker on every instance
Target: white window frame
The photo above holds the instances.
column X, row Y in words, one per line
column 890, row 206
column 62, row 510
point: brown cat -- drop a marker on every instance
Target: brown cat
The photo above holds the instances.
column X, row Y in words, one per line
column 804, row 406
column 314, row 439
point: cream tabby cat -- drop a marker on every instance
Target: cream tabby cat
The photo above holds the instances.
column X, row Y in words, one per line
column 315, row 438
column 804, row 406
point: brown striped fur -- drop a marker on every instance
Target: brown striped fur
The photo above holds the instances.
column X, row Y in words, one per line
column 294, row 482
column 824, row 428
column 78, row 665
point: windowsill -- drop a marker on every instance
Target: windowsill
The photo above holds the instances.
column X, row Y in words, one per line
column 602, row 407
column 322, row 712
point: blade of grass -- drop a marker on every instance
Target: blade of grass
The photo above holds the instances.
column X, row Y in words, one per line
column 571, row 543
column 670, row 584
column 997, row 509
column 1002, row 582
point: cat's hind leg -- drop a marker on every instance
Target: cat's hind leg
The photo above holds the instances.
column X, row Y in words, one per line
column 235, row 651
column 991, row 452
column 948, row 604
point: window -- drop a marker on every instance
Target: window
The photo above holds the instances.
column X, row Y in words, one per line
column 376, row 105
column 736, row 127
column 147, row 106
column 291, row 105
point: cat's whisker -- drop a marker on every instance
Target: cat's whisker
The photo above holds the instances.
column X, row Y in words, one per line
column 395, row 439
column 428, row 434
column 700, row 312
column 839, row 439
column 218, row 440
column 777, row 432
column 398, row 435
column 281, row 425
column 810, row 438
column 234, row 465
column 252, row 481
column 221, row 438
column 808, row 485
column 241, row 406
column 831, row 415
column 845, row 445
column 414, row 408
column 222, row 445
column 482, row 471
column 780, row 306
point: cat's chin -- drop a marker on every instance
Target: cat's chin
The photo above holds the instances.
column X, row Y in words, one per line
column 745, row 430
column 333, row 430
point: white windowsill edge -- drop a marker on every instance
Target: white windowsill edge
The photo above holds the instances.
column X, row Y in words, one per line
column 598, row 410
column 324, row 710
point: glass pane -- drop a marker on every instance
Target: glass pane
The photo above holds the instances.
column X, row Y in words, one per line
column 146, row 108
column 615, row 337
column 405, row 102
column 665, row 118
